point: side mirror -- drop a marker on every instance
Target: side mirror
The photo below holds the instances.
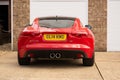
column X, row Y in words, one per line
column 88, row 26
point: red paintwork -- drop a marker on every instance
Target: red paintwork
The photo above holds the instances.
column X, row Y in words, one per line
column 79, row 38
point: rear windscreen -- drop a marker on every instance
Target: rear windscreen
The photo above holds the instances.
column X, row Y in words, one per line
column 56, row 23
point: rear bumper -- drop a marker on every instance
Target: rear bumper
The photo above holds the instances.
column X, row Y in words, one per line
column 63, row 53
column 67, row 50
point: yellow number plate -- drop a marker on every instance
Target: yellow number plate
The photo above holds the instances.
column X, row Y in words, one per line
column 55, row 37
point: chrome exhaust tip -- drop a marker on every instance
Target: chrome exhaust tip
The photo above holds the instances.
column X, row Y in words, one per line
column 58, row 55
column 52, row 55
column 55, row 55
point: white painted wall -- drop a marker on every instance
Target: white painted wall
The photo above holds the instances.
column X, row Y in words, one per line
column 4, row 2
column 113, row 29
column 72, row 8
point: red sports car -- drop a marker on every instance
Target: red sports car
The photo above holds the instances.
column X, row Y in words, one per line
column 56, row 38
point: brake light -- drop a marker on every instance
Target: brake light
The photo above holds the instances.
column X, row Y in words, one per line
column 82, row 35
column 79, row 35
column 30, row 33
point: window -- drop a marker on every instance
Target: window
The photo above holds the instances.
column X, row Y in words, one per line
column 56, row 22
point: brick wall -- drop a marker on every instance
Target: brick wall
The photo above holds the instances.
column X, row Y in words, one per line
column 98, row 19
column 20, row 18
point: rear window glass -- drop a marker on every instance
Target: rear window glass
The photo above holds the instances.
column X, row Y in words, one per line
column 56, row 23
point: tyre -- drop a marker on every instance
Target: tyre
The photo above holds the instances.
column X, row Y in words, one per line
column 88, row 61
column 23, row 61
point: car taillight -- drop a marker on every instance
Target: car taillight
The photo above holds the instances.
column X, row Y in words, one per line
column 30, row 33
column 82, row 35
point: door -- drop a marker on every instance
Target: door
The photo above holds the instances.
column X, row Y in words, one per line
column 5, row 35
column 4, row 15
column 113, row 30
column 69, row 8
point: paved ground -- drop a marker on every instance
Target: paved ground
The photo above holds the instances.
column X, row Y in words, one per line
column 107, row 67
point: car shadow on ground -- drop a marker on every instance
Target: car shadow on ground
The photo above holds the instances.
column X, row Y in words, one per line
column 55, row 64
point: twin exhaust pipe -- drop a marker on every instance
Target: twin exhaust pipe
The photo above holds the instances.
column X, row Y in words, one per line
column 55, row 55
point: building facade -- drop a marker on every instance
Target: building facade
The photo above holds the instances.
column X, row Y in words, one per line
column 97, row 17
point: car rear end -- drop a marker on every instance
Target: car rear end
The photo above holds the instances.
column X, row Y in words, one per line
column 67, row 39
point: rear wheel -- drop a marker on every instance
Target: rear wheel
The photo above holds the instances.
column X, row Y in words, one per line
column 23, row 61
column 88, row 61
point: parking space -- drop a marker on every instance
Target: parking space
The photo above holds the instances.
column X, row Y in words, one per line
column 105, row 68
